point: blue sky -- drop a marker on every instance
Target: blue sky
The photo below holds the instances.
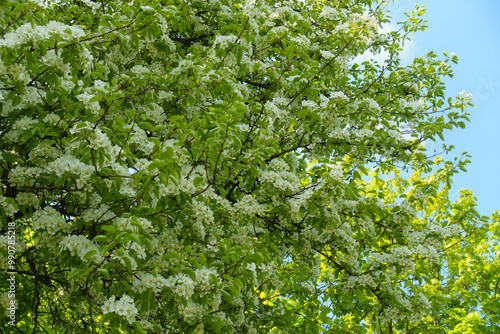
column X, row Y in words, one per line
column 471, row 30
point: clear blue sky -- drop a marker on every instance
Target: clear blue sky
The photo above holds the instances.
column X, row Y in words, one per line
column 471, row 30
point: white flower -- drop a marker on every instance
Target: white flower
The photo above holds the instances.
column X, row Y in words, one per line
column 338, row 95
column 22, row 124
column 191, row 311
column 51, row 118
column 144, row 281
column 336, row 172
column 94, row 6
column 301, row 40
column 70, row 164
column 85, row 99
column 223, row 41
column 139, row 70
column 185, row 286
column 100, row 85
column 200, row 329
column 309, row 104
column 47, row 219
column 327, row 54
column 78, row 245
column 8, row 208
column 363, row 133
column 372, row 104
column 125, row 306
column 28, row 199
column 26, row 33
column 329, row 13
column 52, row 59
column 251, row 267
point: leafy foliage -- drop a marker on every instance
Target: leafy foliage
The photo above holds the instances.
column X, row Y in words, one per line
column 174, row 166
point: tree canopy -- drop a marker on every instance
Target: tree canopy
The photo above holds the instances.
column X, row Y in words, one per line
column 187, row 166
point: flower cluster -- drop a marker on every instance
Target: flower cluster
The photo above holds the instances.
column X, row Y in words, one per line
column 29, row 33
column 49, row 220
column 82, row 247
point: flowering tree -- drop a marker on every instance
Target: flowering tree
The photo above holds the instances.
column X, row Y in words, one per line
column 185, row 166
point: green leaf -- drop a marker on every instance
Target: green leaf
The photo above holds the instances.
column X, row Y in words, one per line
column 128, row 263
column 136, row 238
column 190, row 272
column 202, row 259
column 103, row 272
column 155, row 164
column 99, row 238
column 197, row 181
column 109, row 228
column 9, row 157
column 90, row 254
